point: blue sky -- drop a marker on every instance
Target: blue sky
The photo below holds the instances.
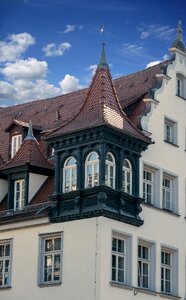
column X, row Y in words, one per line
column 50, row 47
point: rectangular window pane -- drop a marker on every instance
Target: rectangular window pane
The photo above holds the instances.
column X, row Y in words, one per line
column 166, row 271
column 118, row 260
column 5, row 261
column 143, row 266
column 51, row 259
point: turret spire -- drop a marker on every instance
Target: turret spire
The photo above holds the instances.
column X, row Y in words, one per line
column 179, row 31
column 103, row 60
column 178, row 43
column 30, row 135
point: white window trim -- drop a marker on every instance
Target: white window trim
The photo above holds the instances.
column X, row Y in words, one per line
column 156, row 182
column 127, row 171
column 180, row 85
column 110, row 164
column 127, row 256
column 21, row 200
column 173, row 125
column 42, row 238
column 147, row 183
column 173, row 267
column 93, row 163
column 70, row 168
column 151, row 263
column 174, row 191
column 15, row 144
column 5, row 242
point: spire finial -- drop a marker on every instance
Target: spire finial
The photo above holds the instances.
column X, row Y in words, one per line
column 30, row 135
column 103, row 60
column 179, row 31
column 178, row 43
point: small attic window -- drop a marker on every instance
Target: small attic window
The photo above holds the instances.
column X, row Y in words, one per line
column 180, row 86
column 15, row 144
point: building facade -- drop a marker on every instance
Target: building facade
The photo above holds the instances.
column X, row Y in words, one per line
column 92, row 189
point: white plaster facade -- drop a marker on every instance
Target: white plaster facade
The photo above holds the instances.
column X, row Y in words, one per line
column 87, row 244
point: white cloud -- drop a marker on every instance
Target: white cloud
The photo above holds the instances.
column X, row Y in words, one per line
column 54, row 50
column 23, row 90
column 157, row 31
column 7, row 91
column 40, row 89
column 134, row 49
column 153, row 63
column 30, row 68
column 70, row 28
column 14, row 46
column 156, row 62
column 166, row 57
column 92, row 69
column 69, row 84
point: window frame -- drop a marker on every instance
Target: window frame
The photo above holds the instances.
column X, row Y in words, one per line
column 20, row 193
column 172, row 136
column 148, row 183
column 16, row 142
column 3, row 259
column 151, row 261
column 156, row 181
column 180, row 85
column 174, row 269
column 127, row 171
column 126, row 256
column 43, row 254
column 94, row 164
column 143, row 262
column 69, row 168
column 174, row 191
column 167, row 190
column 108, row 166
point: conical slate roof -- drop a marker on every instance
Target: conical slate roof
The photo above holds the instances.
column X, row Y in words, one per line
column 28, row 154
column 101, row 107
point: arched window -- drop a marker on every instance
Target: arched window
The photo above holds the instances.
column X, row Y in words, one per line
column 69, row 175
column 127, row 176
column 92, row 170
column 110, row 170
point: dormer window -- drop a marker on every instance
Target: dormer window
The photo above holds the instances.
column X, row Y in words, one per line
column 69, row 175
column 92, row 170
column 110, row 170
column 16, row 143
column 19, row 194
column 127, row 176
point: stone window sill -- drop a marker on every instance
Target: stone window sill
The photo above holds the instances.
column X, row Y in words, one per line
column 171, row 143
column 42, row 285
column 121, row 285
column 5, row 287
column 137, row 290
column 169, row 296
column 161, row 209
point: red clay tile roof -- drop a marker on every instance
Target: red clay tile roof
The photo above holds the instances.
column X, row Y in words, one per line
column 28, row 154
column 44, row 192
column 21, row 123
column 131, row 87
column 101, row 107
column 51, row 113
